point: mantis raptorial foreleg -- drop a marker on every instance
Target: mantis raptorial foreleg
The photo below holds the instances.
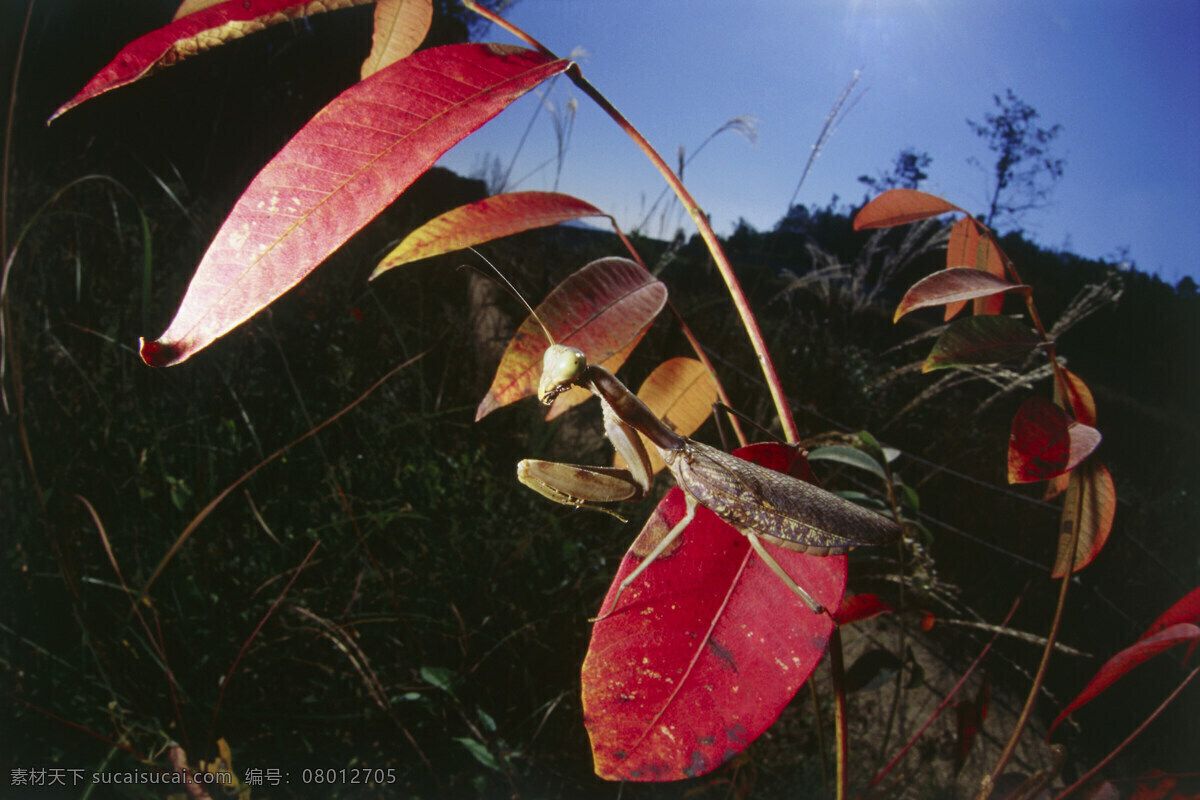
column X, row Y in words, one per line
column 758, row 502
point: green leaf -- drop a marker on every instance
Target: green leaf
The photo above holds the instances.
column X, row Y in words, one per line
column 870, row 444
column 441, row 677
column 850, row 456
column 980, row 340
column 908, row 497
column 481, row 753
column 486, row 719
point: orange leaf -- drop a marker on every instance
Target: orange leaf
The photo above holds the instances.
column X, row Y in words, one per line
column 1091, row 503
column 1045, row 441
column 1127, row 659
column 954, row 284
column 1056, row 486
column 400, row 27
column 345, row 166
column 900, row 206
column 1082, row 405
column 488, row 219
column 206, row 28
column 680, row 392
column 601, row 309
column 928, row 621
column 968, row 247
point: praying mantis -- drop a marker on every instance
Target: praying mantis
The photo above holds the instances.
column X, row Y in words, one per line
column 758, row 502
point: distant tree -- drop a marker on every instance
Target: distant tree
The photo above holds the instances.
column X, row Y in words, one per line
column 1025, row 172
column 796, row 220
column 908, row 170
column 743, row 237
column 1186, row 286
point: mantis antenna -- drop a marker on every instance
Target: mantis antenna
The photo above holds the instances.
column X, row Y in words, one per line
column 513, row 291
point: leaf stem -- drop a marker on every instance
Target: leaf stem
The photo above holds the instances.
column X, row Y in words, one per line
column 946, row 700
column 989, row 782
column 837, row 668
column 1137, row 732
column 749, row 321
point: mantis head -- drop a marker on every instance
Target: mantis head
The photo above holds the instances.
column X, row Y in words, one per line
column 561, row 367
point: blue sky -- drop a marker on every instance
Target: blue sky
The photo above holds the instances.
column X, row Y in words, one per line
column 1122, row 78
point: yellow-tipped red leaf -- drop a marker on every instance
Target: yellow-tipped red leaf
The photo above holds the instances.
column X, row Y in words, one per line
column 969, row 247
column 345, row 166
column 1090, row 503
column 901, row 206
column 1045, row 441
column 681, row 392
column 601, row 309
column 980, row 340
column 1126, row 660
column 953, row 285
column 483, row 221
column 400, row 27
column 193, row 33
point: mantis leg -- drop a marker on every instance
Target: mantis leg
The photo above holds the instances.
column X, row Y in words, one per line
column 653, row 555
column 808, row 599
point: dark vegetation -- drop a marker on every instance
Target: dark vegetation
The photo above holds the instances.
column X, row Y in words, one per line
column 439, row 627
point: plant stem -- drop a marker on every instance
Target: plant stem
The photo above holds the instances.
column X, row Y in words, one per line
column 1137, row 732
column 989, row 782
column 946, row 700
column 749, row 321
column 837, row 668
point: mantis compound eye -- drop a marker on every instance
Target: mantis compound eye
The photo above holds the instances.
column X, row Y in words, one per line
column 561, row 366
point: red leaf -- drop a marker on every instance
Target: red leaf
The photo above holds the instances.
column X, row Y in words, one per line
column 603, row 308
column 1127, row 659
column 1186, row 610
column 954, row 284
column 488, row 219
column 707, row 646
column 900, row 206
column 1046, row 442
column 928, row 621
column 967, row 728
column 1155, row 785
column 1092, row 498
column 352, row 159
column 192, row 34
column 860, row 607
column 969, row 247
column 983, row 698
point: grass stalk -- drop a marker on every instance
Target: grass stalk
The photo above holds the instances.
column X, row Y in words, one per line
column 736, row 293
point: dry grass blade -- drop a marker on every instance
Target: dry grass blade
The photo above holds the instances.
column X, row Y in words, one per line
column 254, row 634
column 353, row 653
column 216, row 501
